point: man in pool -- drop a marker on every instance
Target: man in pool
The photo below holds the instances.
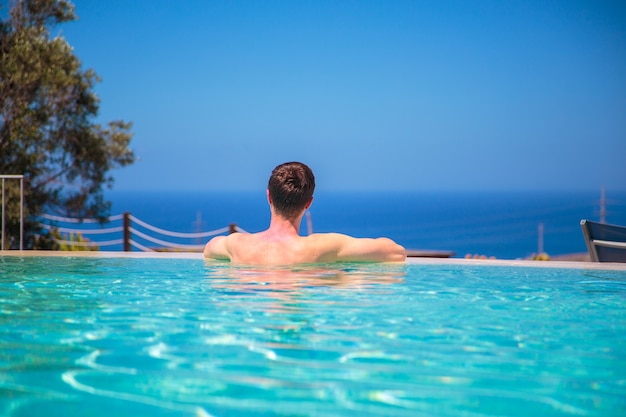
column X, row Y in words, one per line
column 290, row 194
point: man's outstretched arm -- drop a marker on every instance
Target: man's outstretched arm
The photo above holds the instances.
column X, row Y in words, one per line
column 351, row 249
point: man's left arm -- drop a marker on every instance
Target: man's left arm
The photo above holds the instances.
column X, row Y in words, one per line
column 382, row 249
column 217, row 249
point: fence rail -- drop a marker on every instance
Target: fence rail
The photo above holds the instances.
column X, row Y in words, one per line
column 134, row 232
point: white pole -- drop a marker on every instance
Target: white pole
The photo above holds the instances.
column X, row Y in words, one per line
column 603, row 205
column 309, row 223
column 540, row 239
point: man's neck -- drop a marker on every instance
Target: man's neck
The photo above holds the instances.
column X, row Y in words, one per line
column 280, row 226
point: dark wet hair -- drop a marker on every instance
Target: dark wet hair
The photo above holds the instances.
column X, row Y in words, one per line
column 291, row 186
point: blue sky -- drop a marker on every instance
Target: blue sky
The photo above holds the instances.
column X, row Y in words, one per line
column 373, row 95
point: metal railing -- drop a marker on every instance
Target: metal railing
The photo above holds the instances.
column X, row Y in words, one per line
column 130, row 230
column 13, row 177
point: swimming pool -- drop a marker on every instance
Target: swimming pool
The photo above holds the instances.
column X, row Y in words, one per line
column 178, row 336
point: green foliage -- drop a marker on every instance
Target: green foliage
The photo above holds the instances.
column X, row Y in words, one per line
column 540, row 257
column 64, row 242
column 74, row 242
column 47, row 128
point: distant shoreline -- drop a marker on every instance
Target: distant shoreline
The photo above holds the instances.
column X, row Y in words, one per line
column 572, row 257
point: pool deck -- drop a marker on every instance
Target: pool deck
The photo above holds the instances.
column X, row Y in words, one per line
column 417, row 261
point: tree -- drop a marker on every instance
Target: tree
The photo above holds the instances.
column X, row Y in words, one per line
column 47, row 128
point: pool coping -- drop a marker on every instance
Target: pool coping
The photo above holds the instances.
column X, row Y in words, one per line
column 411, row 261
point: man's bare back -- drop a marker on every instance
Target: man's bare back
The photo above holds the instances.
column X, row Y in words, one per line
column 265, row 248
column 290, row 194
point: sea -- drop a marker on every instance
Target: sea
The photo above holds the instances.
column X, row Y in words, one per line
column 504, row 225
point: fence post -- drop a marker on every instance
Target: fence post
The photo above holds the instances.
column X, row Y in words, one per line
column 126, row 231
column 232, row 228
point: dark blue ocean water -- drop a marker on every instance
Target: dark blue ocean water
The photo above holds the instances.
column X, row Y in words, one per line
column 500, row 224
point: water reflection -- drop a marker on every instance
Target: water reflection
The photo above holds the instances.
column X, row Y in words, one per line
column 288, row 282
column 289, row 304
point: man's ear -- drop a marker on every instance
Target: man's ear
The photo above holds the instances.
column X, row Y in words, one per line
column 269, row 198
column 309, row 203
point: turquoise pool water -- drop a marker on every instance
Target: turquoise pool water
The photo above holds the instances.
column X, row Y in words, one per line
column 170, row 337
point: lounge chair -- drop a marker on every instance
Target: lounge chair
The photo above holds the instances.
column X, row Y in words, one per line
column 605, row 242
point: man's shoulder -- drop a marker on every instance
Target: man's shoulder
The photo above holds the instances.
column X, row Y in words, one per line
column 332, row 235
column 327, row 241
column 236, row 241
column 240, row 236
column 230, row 241
column 323, row 237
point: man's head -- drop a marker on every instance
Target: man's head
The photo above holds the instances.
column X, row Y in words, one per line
column 291, row 187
